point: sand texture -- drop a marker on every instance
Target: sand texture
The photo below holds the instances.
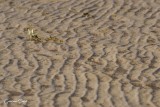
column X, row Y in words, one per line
column 81, row 53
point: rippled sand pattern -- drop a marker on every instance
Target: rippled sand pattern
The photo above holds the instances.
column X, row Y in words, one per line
column 110, row 56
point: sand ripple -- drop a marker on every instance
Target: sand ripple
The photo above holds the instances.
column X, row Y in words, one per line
column 110, row 56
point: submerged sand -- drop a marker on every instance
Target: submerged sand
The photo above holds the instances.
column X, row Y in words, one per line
column 109, row 57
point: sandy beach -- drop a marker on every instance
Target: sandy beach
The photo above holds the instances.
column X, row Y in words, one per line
column 79, row 53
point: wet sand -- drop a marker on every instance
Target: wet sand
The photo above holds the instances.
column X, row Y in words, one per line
column 109, row 57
